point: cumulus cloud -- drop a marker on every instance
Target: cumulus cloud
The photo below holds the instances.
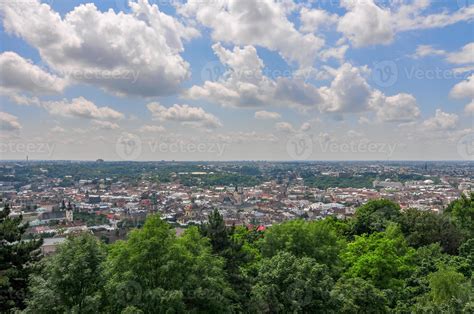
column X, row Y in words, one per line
column 9, row 122
column 441, row 121
column 136, row 53
column 261, row 23
column 186, row 114
column 398, row 108
column 348, row 91
column 245, row 85
column 464, row 89
column 366, row 23
column 470, row 107
column 81, row 108
column 267, row 115
column 313, row 20
column 21, row 75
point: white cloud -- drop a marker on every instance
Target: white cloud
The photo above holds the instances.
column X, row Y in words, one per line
column 348, row 92
column 464, row 56
column 398, row 108
column 152, row 129
column 284, row 127
column 261, row 23
column 427, row 50
column 305, row 127
column 365, row 23
column 313, row 20
column 81, row 108
column 184, row 113
column 21, row 75
column 244, row 85
column 105, row 125
column 9, row 122
column 58, row 129
column 464, row 89
column 441, row 121
column 136, row 53
column 267, row 115
column 470, row 107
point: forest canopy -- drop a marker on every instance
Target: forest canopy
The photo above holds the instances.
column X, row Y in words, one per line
column 383, row 260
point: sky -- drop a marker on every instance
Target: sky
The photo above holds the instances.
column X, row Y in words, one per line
column 237, row 80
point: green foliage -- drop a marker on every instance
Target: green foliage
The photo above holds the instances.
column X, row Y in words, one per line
column 316, row 239
column 375, row 215
column 233, row 249
column 70, row 280
column 286, row 283
column 382, row 258
column 461, row 211
column 356, row 295
column 380, row 261
column 16, row 260
column 156, row 272
column 424, row 227
column 449, row 292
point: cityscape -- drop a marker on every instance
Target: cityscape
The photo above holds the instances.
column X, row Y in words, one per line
column 237, row 156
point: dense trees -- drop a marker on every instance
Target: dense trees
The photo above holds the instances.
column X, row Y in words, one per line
column 70, row 280
column 16, row 260
column 383, row 260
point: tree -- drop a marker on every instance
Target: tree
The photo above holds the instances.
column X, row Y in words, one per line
column 315, row 239
column 71, row 280
column 153, row 271
column 17, row 257
column 356, row 295
column 449, row 293
column 286, row 283
column 425, row 227
column 461, row 211
column 374, row 216
column 382, row 258
column 229, row 245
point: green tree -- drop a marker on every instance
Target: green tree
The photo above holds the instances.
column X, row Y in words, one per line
column 155, row 272
column 315, row 239
column 449, row 292
column 461, row 211
column 70, row 280
column 286, row 283
column 356, row 295
column 229, row 245
column 374, row 216
column 17, row 258
column 382, row 258
column 425, row 227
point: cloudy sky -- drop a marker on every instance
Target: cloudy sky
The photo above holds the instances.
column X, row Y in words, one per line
column 237, row 80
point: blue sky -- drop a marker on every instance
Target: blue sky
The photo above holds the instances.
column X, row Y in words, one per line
column 275, row 80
